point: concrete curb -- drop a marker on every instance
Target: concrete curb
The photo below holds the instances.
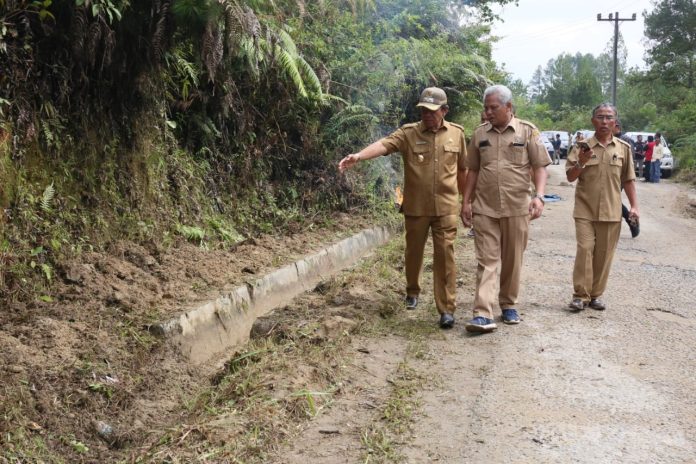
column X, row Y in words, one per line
column 226, row 321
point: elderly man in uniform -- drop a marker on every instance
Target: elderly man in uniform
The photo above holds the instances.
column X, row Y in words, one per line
column 502, row 156
column 434, row 156
column 601, row 168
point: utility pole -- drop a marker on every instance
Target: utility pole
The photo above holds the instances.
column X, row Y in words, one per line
column 615, row 17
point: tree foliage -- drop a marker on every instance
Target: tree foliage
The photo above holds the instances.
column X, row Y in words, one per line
column 143, row 116
column 671, row 28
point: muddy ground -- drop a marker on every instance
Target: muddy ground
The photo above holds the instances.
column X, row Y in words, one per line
column 345, row 375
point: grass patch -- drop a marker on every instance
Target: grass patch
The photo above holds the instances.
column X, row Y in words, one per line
column 381, row 437
column 256, row 401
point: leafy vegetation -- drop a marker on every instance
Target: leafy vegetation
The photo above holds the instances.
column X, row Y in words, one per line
column 148, row 120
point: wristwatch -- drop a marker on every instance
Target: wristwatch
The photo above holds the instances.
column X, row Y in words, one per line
column 540, row 197
column 578, row 165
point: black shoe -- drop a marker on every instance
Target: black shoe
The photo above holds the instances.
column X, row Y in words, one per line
column 634, row 225
column 596, row 303
column 411, row 302
column 446, row 321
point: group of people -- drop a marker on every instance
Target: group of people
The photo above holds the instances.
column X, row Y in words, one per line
column 648, row 157
column 494, row 173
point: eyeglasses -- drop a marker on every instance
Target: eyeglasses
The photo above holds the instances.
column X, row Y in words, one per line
column 605, row 118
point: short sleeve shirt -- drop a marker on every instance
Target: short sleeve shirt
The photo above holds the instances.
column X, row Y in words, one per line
column 639, row 149
column 503, row 159
column 598, row 193
column 431, row 164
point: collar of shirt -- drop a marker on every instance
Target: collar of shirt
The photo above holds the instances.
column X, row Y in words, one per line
column 593, row 142
column 423, row 128
column 512, row 124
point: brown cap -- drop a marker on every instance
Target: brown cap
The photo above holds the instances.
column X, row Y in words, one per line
column 432, row 98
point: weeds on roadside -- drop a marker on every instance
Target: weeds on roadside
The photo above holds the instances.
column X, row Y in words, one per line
column 266, row 392
column 258, row 399
column 379, row 439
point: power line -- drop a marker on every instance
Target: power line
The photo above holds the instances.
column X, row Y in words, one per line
column 615, row 18
column 528, row 38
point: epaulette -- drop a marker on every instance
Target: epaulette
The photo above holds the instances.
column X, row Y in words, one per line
column 409, row 125
column 527, row 123
column 457, row 126
column 623, row 141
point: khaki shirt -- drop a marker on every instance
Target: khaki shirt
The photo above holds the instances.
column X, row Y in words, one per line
column 503, row 160
column 598, row 193
column 431, row 161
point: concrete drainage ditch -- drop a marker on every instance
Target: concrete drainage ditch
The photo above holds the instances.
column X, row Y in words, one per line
column 225, row 322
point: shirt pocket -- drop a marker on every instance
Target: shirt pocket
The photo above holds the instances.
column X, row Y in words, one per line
column 420, row 156
column 517, row 154
column 616, row 160
column 487, row 155
column 450, row 156
column 594, row 161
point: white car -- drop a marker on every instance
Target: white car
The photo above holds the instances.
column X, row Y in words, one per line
column 668, row 163
column 565, row 140
column 547, row 144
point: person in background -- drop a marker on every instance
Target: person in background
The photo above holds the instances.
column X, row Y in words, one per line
column 656, row 162
column 556, row 142
column 639, row 154
column 434, row 157
column 601, row 169
column 649, row 147
column 501, row 156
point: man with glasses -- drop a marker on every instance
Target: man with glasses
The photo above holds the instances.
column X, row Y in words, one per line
column 601, row 168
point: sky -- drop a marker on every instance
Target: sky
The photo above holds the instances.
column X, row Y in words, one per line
column 538, row 30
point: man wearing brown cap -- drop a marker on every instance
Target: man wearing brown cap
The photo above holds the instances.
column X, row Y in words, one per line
column 434, row 155
column 503, row 154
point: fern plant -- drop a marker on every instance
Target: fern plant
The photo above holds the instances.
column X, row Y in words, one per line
column 47, row 197
column 191, row 233
column 349, row 127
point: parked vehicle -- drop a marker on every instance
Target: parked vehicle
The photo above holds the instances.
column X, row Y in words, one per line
column 565, row 139
column 547, row 144
column 668, row 163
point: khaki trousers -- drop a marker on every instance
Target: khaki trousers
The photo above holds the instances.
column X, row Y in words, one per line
column 596, row 246
column 444, row 231
column 498, row 240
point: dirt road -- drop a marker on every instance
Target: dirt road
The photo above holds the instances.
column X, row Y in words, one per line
column 590, row 387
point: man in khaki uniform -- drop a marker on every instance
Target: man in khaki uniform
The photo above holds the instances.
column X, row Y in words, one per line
column 502, row 155
column 601, row 167
column 434, row 156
